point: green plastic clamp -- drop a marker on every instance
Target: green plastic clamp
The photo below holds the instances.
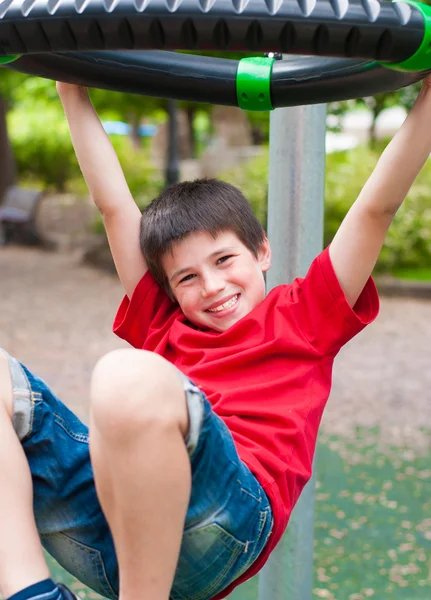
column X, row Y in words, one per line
column 4, row 60
column 421, row 59
column 253, row 83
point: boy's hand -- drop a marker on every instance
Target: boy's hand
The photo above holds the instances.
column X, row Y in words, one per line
column 62, row 86
column 427, row 81
column 66, row 90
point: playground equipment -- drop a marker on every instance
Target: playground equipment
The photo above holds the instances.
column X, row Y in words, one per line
column 370, row 47
column 355, row 48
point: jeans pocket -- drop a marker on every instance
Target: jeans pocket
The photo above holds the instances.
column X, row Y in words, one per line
column 207, row 555
column 255, row 546
column 82, row 561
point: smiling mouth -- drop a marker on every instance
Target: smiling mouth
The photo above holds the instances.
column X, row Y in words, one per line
column 229, row 304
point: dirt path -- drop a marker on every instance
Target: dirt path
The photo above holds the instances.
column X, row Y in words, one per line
column 56, row 316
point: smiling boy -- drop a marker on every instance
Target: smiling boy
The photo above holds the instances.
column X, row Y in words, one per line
column 217, row 255
column 214, row 293
column 203, row 433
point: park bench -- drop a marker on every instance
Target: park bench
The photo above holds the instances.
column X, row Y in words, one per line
column 18, row 213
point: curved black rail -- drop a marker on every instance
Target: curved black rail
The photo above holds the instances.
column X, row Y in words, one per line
column 299, row 80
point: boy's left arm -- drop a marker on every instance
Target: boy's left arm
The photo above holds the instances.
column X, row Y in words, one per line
column 357, row 244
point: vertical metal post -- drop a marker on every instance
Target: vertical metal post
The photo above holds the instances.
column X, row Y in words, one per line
column 172, row 167
column 295, row 231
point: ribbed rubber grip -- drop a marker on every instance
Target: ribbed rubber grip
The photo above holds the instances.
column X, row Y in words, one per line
column 340, row 28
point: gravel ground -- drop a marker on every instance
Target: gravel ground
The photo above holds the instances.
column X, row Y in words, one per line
column 56, row 316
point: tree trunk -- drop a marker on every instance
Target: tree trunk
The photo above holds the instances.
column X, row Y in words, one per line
column 190, row 113
column 7, row 163
column 134, row 131
column 376, row 108
column 372, row 132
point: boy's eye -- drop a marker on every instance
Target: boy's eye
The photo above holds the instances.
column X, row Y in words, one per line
column 223, row 259
column 186, row 278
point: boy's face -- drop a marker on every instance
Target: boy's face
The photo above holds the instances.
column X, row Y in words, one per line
column 216, row 281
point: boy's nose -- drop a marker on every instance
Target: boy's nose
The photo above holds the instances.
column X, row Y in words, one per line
column 211, row 286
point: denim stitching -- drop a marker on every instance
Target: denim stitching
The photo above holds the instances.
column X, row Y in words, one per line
column 79, row 437
column 258, row 499
column 258, row 549
column 262, row 521
column 270, row 532
column 263, row 515
column 94, row 554
column 210, row 591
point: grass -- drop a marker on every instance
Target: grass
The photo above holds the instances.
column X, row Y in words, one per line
column 372, row 524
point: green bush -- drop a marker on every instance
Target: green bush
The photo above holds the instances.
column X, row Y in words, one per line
column 143, row 179
column 251, row 178
column 345, row 175
column 44, row 153
column 408, row 243
column 42, row 148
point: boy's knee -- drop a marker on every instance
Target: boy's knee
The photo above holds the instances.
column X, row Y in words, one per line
column 134, row 388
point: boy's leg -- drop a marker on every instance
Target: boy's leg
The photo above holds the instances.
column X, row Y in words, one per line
column 139, row 420
column 22, row 562
column 229, row 518
column 63, row 500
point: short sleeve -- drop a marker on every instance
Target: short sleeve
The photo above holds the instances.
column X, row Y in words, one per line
column 321, row 310
column 148, row 311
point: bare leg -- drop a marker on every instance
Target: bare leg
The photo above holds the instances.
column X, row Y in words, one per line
column 142, row 470
column 22, row 562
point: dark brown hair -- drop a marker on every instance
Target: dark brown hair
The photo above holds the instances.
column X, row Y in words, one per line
column 206, row 205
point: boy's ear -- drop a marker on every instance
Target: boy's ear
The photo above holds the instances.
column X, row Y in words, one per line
column 264, row 255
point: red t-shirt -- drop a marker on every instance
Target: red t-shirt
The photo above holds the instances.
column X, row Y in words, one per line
column 268, row 376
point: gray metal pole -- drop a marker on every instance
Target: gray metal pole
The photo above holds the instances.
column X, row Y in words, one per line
column 295, row 231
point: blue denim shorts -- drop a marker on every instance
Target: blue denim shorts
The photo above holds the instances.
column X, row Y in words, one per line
column 228, row 520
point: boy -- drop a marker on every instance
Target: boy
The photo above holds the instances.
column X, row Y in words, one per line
column 202, row 436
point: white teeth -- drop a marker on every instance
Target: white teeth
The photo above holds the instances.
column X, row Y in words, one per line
column 226, row 305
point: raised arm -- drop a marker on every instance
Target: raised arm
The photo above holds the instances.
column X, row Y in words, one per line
column 106, row 183
column 357, row 244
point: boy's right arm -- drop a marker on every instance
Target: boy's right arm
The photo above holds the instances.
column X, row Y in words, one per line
column 106, row 183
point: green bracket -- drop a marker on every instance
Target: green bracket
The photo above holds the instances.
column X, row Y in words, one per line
column 253, row 83
column 421, row 59
column 4, row 60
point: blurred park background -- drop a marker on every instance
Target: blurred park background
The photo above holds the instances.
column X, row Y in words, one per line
column 57, row 301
